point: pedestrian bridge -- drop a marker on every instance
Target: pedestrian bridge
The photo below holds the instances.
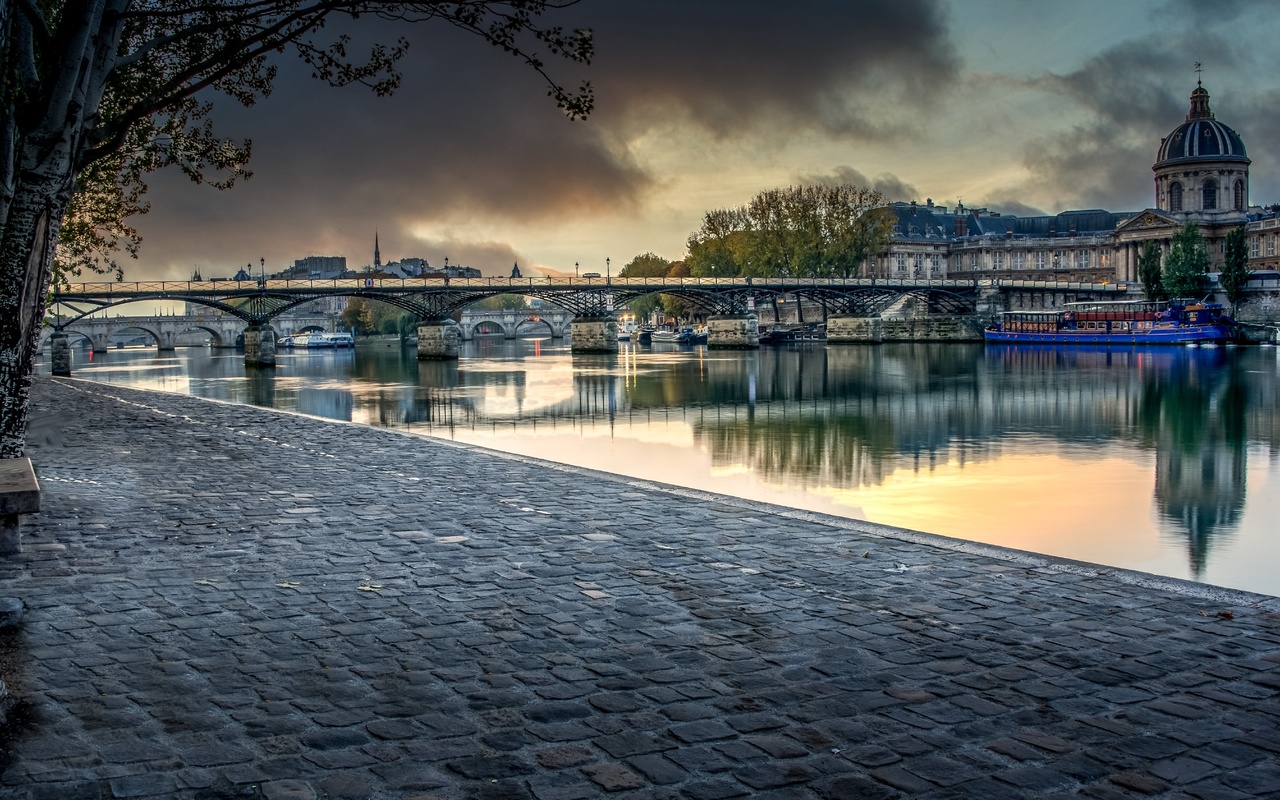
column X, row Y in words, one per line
column 730, row 303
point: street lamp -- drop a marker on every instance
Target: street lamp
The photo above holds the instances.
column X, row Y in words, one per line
column 575, row 269
column 262, row 270
column 607, row 273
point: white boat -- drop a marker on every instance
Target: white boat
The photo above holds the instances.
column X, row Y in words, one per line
column 311, row 340
column 339, row 339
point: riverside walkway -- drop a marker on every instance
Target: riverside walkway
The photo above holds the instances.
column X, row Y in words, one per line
column 228, row 601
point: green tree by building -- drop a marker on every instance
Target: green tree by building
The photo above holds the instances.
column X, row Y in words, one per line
column 1185, row 270
column 1235, row 272
column 1149, row 271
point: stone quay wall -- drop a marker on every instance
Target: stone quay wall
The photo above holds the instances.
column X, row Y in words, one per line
column 873, row 330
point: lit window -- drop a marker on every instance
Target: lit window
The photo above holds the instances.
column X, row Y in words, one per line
column 1104, row 257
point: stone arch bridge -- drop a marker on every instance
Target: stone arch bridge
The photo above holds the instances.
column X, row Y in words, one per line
column 591, row 301
column 223, row 331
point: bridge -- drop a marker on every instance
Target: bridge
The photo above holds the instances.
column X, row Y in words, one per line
column 511, row 322
column 223, row 331
column 847, row 303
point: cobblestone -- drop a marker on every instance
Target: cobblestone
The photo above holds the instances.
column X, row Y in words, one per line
column 228, row 601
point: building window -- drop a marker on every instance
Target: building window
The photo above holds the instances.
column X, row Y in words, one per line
column 1254, row 246
column 1104, row 257
column 1210, row 195
column 935, row 263
column 918, row 265
column 973, row 260
column 902, row 263
column 1082, row 259
column 1239, row 199
column 1019, row 260
column 1271, row 245
column 997, row 260
column 1041, row 259
column 1175, row 196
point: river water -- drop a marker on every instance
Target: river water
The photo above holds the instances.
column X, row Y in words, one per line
column 1161, row 460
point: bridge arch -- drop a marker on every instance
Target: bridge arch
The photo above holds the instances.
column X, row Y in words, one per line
column 471, row 327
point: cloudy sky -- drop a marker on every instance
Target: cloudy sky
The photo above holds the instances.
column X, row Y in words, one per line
column 1024, row 106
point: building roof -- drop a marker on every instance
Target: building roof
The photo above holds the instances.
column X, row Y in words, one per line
column 1201, row 137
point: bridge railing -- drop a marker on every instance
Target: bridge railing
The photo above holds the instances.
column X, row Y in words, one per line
column 586, row 284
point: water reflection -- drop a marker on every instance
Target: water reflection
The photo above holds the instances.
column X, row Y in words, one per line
column 1127, row 457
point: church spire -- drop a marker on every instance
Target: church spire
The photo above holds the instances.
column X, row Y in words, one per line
column 377, row 256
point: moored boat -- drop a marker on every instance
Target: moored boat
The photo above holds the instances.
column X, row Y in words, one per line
column 1117, row 322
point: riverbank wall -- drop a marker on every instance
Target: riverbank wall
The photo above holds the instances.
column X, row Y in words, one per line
column 226, row 600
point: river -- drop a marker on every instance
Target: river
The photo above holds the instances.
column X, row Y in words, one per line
column 1160, row 460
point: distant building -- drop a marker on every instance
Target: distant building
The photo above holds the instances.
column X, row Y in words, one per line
column 317, row 268
column 1201, row 176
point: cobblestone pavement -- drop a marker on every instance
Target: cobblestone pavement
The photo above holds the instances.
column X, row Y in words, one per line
column 228, row 601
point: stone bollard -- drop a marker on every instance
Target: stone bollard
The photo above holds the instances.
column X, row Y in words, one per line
column 733, row 332
column 259, row 346
column 594, row 335
column 60, row 354
column 438, row 340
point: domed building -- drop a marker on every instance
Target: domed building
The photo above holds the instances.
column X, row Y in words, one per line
column 1202, row 166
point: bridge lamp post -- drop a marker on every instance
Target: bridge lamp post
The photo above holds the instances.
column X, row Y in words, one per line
column 575, row 269
column 607, row 273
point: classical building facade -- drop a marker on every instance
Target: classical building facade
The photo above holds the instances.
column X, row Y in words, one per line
column 1201, row 176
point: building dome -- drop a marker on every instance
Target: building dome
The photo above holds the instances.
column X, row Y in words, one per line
column 1201, row 137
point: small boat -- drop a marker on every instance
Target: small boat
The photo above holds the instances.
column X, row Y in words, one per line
column 644, row 336
column 1118, row 322
column 664, row 337
column 311, row 340
column 339, row 339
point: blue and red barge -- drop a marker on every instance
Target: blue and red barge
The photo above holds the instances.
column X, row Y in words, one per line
column 1117, row 322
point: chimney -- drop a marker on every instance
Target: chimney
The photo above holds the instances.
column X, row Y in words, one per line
column 962, row 227
column 929, row 202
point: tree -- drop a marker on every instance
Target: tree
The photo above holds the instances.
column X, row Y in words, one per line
column 500, row 302
column 799, row 231
column 1149, row 271
column 94, row 94
column 1235, row 271
column 646, row 265
column 1186, row 268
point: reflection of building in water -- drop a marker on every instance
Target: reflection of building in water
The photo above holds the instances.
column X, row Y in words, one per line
column 1200, row 455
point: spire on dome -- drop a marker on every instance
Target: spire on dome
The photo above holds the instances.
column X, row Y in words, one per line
column 1199, row 100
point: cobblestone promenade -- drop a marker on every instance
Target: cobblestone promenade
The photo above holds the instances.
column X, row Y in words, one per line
column 234, row 602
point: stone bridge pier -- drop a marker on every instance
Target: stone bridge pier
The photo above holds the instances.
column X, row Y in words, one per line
column 438, row 340
column 260, row 346
column 733, row 332
column 595, row 334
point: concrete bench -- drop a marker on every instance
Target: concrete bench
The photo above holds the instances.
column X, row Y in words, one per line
column 19, row 494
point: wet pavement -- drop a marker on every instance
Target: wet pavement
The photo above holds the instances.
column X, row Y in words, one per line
column 227, row 601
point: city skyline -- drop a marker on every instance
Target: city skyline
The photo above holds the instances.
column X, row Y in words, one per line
column 1020, row 107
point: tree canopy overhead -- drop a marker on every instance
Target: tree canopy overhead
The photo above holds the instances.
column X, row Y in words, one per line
column 94, row 94
column 799, row 231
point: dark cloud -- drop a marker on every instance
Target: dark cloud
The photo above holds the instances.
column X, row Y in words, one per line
column 471, row 141
column 1014, row 207
column 1131, row 96
column 891, row 186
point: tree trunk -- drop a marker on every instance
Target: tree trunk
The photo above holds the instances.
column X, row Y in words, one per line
column 27, row 244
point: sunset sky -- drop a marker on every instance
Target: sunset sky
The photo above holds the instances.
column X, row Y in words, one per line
column 1022, row 106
